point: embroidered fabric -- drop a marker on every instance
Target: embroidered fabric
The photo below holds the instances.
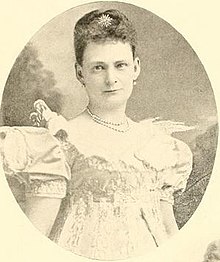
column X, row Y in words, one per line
column 107, row 197
column 49, row 188
column 102, row 198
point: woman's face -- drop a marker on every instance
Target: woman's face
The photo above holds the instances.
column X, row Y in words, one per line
column 108, row 72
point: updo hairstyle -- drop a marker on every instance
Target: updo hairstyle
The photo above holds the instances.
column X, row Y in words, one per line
column 101, row 26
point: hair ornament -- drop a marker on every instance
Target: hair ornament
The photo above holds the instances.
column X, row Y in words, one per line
column 105, row 20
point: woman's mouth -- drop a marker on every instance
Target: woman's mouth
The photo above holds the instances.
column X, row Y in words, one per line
column 111, row 91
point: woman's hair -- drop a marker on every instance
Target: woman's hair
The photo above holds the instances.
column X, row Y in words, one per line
column 101, row 26
column 212, row 252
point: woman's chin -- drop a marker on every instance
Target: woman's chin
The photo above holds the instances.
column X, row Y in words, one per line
column 109, row 100
column 116, row 97
column 113, row 102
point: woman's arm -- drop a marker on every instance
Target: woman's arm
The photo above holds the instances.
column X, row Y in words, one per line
column 168, row 217
column 42, row 212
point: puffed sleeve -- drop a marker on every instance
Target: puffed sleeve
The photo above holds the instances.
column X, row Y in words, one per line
column 35, row 157
column 170, row 159
column 174, row 177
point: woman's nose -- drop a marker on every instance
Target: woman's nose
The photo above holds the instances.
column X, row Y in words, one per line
column 111, row 78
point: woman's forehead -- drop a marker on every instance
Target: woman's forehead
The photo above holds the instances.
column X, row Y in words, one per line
column 107, row 51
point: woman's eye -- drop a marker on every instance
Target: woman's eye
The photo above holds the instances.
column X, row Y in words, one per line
column 98, row 68
column 122, row 65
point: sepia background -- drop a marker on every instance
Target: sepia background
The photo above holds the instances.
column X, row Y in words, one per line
column 207, row 117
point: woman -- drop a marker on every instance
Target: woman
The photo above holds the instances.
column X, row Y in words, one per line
column 100, row 185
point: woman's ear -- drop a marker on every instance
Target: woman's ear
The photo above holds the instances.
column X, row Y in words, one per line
column 79, row 75
column 137, row 67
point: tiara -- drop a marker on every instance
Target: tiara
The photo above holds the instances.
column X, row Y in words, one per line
column 105, row 20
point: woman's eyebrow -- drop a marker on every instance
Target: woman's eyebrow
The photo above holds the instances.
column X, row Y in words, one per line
column 121, row 61
column 96, row 62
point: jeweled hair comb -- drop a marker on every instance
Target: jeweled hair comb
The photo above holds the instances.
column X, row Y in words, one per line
column 105, row 20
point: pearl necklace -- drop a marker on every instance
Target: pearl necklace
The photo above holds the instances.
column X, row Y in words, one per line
column 108, row 124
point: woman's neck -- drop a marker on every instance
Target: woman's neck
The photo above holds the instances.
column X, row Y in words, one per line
column 114, row 115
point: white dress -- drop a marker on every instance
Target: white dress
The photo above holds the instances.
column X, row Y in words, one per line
column 111, row 207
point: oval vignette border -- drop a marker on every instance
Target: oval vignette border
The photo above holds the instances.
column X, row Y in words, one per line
column 66, row 11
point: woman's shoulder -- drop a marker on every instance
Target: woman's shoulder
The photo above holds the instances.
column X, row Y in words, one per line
column 158, row 147
column 79, row 126
column 40, row 148
column 79, row 119
column 155, row 126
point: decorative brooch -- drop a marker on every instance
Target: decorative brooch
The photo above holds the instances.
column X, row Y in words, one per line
column 105, row 20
